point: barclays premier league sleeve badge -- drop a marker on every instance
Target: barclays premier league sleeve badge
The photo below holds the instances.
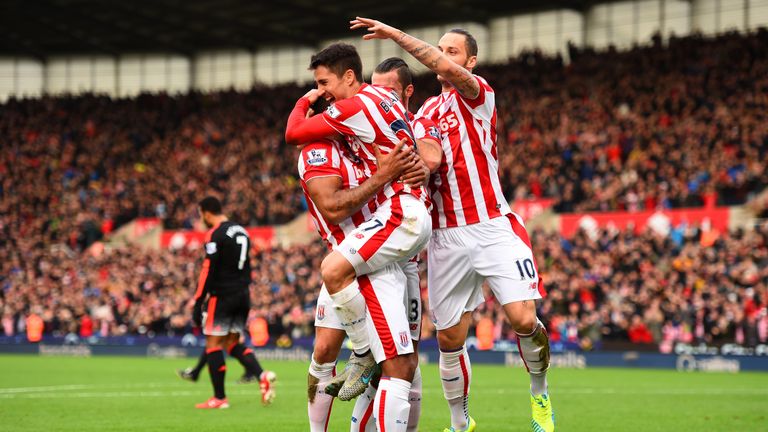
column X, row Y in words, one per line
column 332, row 111
column 317, row 157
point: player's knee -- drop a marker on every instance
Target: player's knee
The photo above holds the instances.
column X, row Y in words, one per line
column 449, row 340
column 324, row 352
column 524, row 324
column 401, row 367
column 336, row 272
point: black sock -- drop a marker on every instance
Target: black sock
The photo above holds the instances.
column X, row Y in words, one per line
column 217, row 368
column 247, row 358
column 200, row 364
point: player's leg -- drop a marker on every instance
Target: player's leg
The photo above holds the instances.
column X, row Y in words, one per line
column 454, row 291
column 374, row 245
column 456, row 372
column 328, row 339
column 414, row 397
column 391, row 345
column 193, row 373
column 214, row 346
column 413, row 303
column 513, row 278
column 362, row 413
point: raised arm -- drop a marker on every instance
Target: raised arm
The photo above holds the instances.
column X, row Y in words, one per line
column 430, row 56
column 300, row 129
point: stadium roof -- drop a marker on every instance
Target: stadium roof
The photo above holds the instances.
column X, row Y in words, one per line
column 42, row 28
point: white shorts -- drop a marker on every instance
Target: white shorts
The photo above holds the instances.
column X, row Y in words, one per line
column 460, row 259
column 398, row 230
column 325, row 314
column 413, row 297
column 386, row 316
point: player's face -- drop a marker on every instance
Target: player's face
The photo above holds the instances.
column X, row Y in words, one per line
column 332, row 86
column 454, row 46
column 390, row 80
column 205, row 218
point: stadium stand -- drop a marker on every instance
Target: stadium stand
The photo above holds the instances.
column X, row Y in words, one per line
column 686, row 126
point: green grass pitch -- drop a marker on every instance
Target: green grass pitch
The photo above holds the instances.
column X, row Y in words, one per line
column 143, row 394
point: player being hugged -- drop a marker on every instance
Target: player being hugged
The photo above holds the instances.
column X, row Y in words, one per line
column 224, row 290
column 371, row 120
column 477, row 237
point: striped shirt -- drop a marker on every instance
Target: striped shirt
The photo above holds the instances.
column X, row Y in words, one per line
column 374, row 116
column 466, row 188
column 328, row 158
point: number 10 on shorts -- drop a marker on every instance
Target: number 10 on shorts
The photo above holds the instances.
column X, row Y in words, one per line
column 526, row 269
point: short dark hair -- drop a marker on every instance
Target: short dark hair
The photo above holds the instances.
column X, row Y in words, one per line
column 470, row 40
column 404, row 73
column 210, row 204
column 339, row 57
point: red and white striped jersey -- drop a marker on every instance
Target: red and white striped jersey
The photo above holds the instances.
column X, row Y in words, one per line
column 374, row 116
column 329, row 158
column 466, row 188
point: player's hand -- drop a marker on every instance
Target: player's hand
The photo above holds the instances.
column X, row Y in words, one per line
column 416, row 176
column 313, row 95
column 391, row 165
column 376, row 29
column 197, row 314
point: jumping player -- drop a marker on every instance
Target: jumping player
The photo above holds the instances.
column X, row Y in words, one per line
column 477, row 238
column 371, row 119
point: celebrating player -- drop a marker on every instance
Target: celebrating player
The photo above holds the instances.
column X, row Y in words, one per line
column 324, row 181
column 224, row 287
column 477, row 238
column 371, row 119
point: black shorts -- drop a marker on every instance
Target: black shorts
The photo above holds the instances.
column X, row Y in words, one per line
column 226, row 314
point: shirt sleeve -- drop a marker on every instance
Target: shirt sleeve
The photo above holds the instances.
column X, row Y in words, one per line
column 320, row 159
column 300, row 129
column 348, row 118
column 481, row 96
column 425, row 129
column 209, row 266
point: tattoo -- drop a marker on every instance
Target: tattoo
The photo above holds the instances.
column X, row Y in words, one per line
column 417, row 51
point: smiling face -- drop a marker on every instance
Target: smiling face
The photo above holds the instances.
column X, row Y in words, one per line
column 334, row 87
column 454, row 46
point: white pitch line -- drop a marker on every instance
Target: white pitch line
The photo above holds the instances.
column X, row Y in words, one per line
column 101, row 395
column 568, row 391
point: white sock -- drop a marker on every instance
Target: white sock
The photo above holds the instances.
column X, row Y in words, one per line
column 349, row 304
column 391, row 407
column 320, row 410
column 534, row 350
column 362, row 414
column 456, row 375
column 415, row 398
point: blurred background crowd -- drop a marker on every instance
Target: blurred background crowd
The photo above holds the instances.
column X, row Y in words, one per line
column 663, row 126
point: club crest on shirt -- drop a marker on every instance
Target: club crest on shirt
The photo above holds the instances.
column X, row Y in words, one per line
column 210, row 248
column 317, row 157
column 403, row 339
column 332, row 111
column 320, row 313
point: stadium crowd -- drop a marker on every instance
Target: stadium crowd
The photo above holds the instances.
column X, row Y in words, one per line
column 661, row 126
column 676, row 125
column 682, row 286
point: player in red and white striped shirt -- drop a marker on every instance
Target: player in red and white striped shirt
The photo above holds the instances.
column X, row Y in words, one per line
column 371, row 119
column 477, row 238
column 339, row 190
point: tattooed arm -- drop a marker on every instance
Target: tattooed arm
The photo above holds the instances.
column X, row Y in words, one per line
column 461, row 79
